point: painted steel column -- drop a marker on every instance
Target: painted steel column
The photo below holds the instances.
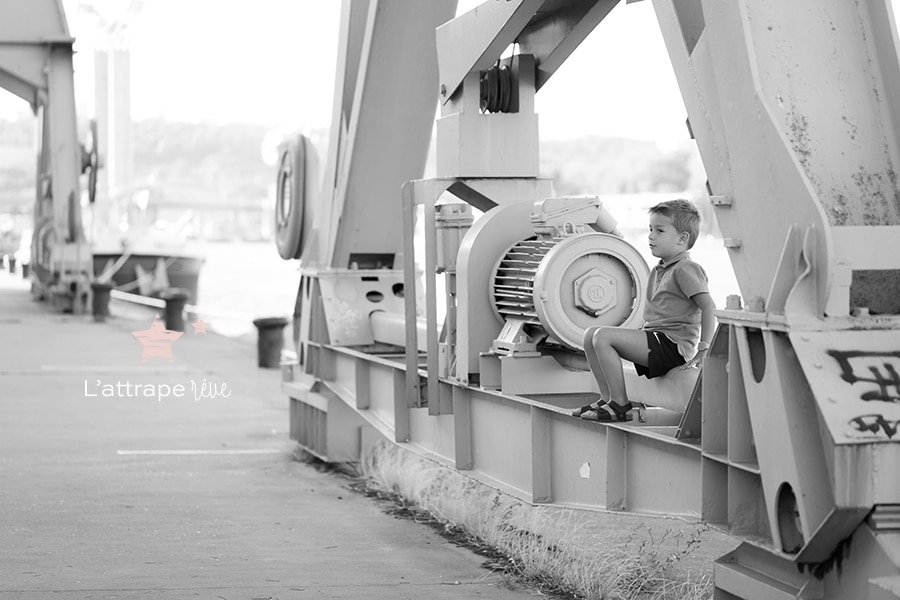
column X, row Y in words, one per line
column 409, row 195
column 432, row 355
column 385, row 98
column 541, row 449
column 64, row 150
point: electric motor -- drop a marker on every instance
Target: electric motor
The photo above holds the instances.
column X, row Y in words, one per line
column 565, row 285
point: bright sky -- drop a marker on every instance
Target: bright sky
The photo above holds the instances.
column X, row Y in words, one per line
column 273, row 61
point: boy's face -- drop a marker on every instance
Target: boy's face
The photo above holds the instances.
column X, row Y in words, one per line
column 665, row 241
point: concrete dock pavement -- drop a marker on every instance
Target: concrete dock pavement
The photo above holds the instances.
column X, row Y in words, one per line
column 114, row 485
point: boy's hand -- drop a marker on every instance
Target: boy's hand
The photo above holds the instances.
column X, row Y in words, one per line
column 696, row 362
column 707, row 328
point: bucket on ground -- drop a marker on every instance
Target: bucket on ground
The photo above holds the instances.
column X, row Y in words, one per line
column 270, row 341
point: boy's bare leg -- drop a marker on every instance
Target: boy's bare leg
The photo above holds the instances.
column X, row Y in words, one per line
column 611, row 345
column 594, row 361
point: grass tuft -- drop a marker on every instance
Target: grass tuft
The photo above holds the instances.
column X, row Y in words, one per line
column 561, row 552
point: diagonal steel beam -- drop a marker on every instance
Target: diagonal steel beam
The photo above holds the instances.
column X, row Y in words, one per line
column 474, row 41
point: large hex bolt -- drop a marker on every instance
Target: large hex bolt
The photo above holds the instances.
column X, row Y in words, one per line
column 595, row 292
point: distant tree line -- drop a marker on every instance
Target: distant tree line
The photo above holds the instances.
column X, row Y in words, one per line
column 599, row 165
column 227, row 161
column 594, row 165
column 17, row 165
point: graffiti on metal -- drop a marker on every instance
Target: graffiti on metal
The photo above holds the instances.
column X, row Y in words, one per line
column 873, row 425
column 880, row 370
column 877, row 375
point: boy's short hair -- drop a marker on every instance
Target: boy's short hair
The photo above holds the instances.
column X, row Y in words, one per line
column 685, row 217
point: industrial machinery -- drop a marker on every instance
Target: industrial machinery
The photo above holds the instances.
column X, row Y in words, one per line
column 789, row 439
column 36, row 65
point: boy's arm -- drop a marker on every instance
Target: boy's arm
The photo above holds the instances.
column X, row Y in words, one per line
column 707, row 327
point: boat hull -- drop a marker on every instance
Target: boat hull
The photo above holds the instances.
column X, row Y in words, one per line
column 180, row 272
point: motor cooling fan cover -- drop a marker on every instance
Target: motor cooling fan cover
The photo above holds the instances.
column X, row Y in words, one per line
column 589, row 280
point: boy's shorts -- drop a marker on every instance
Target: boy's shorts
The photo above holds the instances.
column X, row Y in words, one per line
column 663, row 357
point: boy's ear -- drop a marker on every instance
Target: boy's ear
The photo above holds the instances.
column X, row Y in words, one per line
column 684, row 236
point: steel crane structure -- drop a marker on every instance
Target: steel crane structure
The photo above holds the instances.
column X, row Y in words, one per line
column 36, row 65
column 789, row 439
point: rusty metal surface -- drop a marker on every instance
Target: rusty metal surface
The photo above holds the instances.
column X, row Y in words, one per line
column 827, row 72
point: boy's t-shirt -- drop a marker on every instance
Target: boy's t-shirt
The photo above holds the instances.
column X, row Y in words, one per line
column 669, row 308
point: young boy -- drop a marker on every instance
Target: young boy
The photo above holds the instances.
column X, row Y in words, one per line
column 679, row 312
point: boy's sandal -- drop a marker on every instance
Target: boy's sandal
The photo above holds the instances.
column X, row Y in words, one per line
column 609, row 413
column 588, row 407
